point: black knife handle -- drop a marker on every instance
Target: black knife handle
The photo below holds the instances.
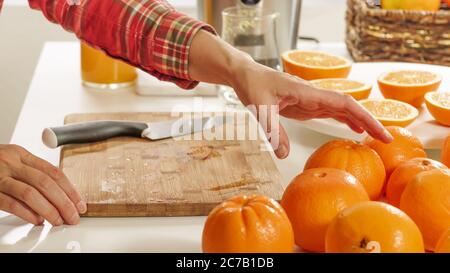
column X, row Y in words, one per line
column 92, row 131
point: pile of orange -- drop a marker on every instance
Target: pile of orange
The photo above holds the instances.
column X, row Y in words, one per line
column 335, row 204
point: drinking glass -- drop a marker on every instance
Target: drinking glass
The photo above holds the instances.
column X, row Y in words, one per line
column 253, row 31
column 103, row 72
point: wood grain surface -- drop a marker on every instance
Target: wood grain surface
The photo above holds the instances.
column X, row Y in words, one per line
column 185, row 176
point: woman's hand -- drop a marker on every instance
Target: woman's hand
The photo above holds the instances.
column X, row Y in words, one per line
column 35, row 190
column 297, row 99
column 214, row 61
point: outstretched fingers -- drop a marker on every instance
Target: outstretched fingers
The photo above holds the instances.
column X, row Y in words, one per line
column 366, row 121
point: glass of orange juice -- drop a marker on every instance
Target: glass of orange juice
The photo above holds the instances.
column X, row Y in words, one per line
column 103, row 72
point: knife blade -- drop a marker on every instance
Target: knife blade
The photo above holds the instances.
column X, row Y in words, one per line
column 93, row 131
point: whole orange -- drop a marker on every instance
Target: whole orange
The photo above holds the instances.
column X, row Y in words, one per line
column 443, row 245
column 357, row 159
column 445, row 158
column 404, row 173
column 370, row 227
column 426, row 199
column 248, row 224
column 405, row 146
column 314, row 198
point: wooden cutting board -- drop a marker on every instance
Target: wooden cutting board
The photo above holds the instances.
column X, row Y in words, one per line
column 173, row 177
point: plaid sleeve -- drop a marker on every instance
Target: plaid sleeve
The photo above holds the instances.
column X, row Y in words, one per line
column 148, row 34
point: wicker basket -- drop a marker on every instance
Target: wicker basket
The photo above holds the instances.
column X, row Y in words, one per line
column 375, row 34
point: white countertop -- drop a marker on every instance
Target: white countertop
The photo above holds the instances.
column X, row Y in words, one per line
column 56, row 91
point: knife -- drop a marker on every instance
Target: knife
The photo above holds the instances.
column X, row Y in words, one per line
column 93, row 131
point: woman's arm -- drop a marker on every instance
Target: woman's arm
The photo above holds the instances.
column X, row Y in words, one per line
column 257, row 85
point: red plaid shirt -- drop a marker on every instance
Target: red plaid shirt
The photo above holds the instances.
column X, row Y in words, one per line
column 148, row 34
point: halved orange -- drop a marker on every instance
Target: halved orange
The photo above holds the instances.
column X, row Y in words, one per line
column 391, row 112
column 438, row 105
column 357, row 90
column 409, row 86
column 313, row 65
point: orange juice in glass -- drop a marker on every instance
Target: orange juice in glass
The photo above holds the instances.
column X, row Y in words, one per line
column 101, row 71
